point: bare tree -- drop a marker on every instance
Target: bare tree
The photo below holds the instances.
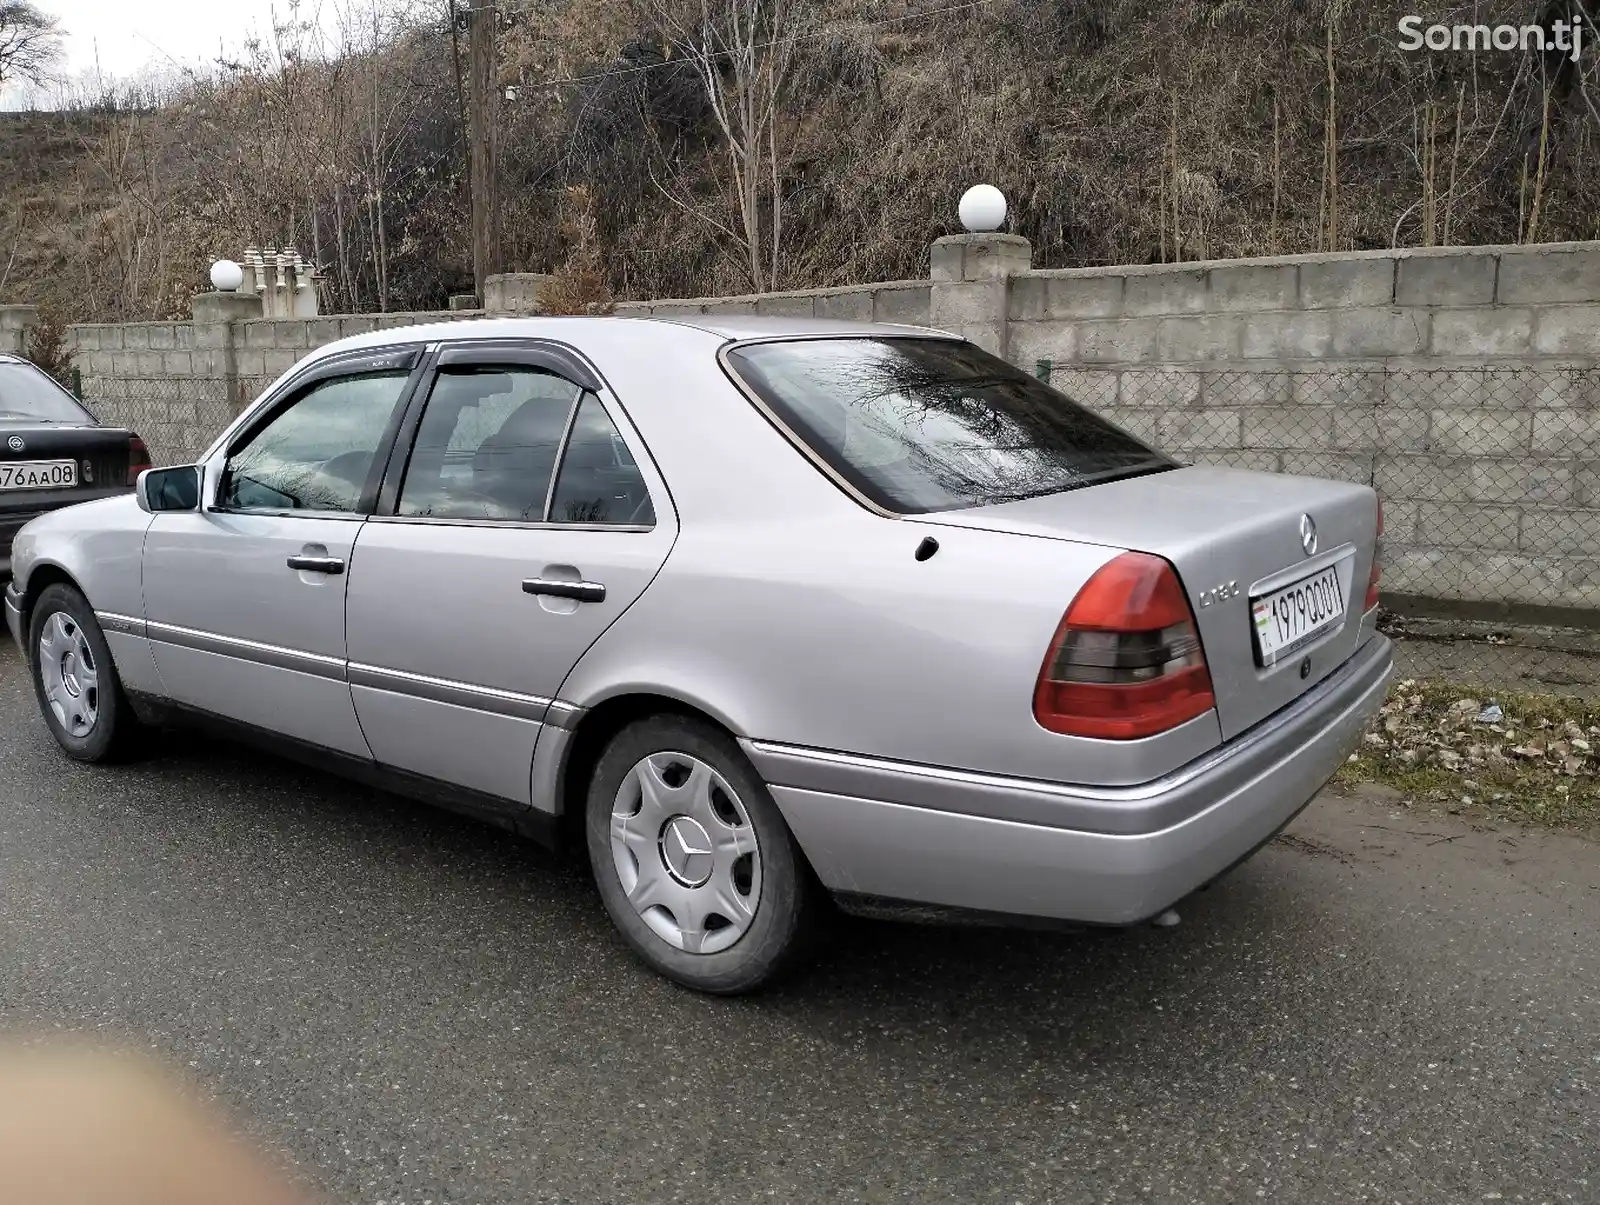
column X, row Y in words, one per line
column 30, row 44
column 742, row 51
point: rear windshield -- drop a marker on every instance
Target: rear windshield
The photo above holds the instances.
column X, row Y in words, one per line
column 27, row 395
column 919, row 425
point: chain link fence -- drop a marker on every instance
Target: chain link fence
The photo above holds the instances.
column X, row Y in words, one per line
column 177, row 417
column 1490, row 480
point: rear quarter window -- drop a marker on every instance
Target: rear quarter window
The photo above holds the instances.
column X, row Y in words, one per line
column 921, row 425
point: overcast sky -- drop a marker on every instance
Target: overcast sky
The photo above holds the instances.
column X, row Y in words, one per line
column 129, row 34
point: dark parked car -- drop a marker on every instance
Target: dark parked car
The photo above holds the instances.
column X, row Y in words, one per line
column 53, row 452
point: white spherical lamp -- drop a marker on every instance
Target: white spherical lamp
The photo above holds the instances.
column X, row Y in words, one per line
column 983, row 207
column 226, row 276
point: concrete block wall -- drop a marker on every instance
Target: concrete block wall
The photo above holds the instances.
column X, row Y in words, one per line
column 1463, row 383
column 899, row 301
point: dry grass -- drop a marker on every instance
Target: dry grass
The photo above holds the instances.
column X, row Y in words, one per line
column 1440, row 748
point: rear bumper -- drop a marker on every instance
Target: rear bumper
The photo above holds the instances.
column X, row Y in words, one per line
column 1103, row 856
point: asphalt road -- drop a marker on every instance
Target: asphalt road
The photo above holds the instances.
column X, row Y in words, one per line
column 415, row 1008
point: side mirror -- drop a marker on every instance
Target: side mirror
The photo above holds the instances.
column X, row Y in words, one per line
column 169, row 489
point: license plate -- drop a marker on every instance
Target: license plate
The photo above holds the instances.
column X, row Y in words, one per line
column 1291, row 618
column 38, row 474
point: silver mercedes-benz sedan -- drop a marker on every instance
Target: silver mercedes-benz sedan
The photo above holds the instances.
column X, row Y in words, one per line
column 766, row 614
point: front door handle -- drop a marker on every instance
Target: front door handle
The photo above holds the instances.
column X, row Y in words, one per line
column 581, row 591
column 317, row 564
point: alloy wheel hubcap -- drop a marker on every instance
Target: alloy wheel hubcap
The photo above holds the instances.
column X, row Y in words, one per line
column 70, row 675
column 686, row 853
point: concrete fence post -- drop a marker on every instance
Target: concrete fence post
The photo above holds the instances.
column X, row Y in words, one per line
column 15, row 322
column 215, row 349
column 972, row 283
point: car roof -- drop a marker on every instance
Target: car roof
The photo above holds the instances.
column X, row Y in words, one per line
column 580, row 330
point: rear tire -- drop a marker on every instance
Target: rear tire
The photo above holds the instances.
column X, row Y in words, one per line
column 694, row 861
column 75, row 679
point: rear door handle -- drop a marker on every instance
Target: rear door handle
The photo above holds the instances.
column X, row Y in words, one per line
column 581, row 591
column 317, row 564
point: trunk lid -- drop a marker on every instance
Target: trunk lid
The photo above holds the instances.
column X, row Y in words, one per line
column 98, row 455
column 1231, row 535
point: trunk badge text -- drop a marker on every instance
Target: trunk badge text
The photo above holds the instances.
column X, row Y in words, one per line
column 1308, row 534
column 1219, row 593
column 15, row 443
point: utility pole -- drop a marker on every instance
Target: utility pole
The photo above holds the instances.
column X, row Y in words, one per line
column 485, row 159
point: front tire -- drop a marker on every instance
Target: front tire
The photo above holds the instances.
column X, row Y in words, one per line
column 694, row 862
column 75, row 679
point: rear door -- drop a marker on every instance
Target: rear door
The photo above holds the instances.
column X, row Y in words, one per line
column 523, row 522
column 245, row 598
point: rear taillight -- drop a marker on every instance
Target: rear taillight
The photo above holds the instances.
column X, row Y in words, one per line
column 1126, row 661
column 138, row 459
column 1377, row 574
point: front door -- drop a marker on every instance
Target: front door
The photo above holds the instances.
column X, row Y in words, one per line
column 520, row 529
column 245, row 598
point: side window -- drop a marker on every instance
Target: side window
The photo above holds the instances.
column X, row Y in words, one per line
column 487, row 444
column 318, row 453
column 599, row 481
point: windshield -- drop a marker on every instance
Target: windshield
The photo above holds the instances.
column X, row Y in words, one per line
column 28, row 395
column 919, row 425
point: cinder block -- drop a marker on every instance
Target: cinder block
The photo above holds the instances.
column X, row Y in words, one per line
column 1254, row 287
column 1561, row 533
column 1424, row 478
column 1128, row 341
column 1377, row 430
column 83, row 338
column 1399, row 522
column 162, row 337
column 1531, row 274
column 855, row 306
column 1565, row 433
column 1342, row 284
column 1141, row 424
column 1510, row 577
column 1329, row 465
column 1429, row 572
column 111, row 338
column 1258, row 460
column 1449, row 278
column 1088, row 387
column 789, row 305
column 1030, row 342
column 1160, row 387
column 1185, row 430
column 1025, row 298
column 1083, row 296
column 177, row 363
column 136, row 336
column 322, row 331
column 1538, row 480
column 1567, row 330
column 1580, row 581
column 731, row 305
column 903, row 303
column 1164, row 291
column 1292, row 428
column 1235, row 387
column 148, row 364
column 1201, row 337
column 1478, row 432
column 972, row 303
column 278, row 361
column 355, row 324
column 1340, row 387
column 258, row 334
column 1467, row 525
column 682, row 309
column 1379, row 332
column 292, row 333
column 250, row 363
column 1306, row 335
column 1586, row 484
column 1500, row 331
